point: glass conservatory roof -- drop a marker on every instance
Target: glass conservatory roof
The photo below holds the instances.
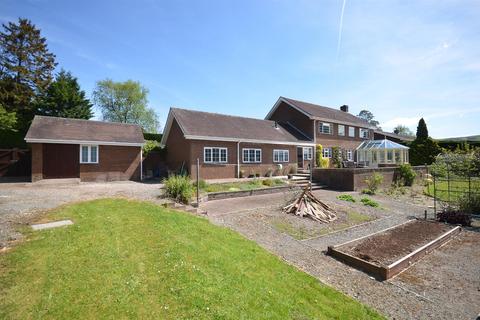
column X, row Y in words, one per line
column 380, row 144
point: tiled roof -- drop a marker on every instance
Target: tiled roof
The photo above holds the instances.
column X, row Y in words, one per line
column 317, row 111
column 65, row 129
column 206, row 124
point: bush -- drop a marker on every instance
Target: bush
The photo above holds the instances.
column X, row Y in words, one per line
column 336, row 157
column 346, row 197
column 373, row 182
column 469, row 204
column 406, row 174
column 453, row 216
column 202, row 184
column 179, row 187
column 324, row 163
column 267, row 182
column 369, row 202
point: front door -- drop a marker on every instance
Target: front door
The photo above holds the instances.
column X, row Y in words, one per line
column 61, row 161
column 300, row 157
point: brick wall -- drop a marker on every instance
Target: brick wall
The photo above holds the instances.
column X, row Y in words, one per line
column 285, row 113
column 37, row 161
column 178, row 149
column 353, row 179
column 115, row 163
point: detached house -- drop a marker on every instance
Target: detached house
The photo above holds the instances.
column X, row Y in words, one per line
column 229, row 146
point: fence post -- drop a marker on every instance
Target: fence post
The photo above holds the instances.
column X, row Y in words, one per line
column 434, row 199
column 448, row 182
column 198, row 182
column 469, row 188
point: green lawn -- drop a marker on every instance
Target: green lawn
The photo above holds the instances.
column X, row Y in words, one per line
column 241, row 185
column 455, row 187
column 127, row 259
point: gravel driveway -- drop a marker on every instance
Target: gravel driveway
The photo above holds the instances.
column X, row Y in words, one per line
column 22, row 202
column 398, row 298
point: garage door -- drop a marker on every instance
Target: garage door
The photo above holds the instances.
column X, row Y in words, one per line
column 60, row 161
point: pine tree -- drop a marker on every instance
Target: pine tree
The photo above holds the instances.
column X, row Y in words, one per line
column 64, row 98
column 26, row 68
column 422, row 131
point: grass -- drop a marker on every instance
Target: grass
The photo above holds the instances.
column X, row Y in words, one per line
column 128, row 259
column 346, row 197
column 243, row 185
column 301, row 232
column 457, row 188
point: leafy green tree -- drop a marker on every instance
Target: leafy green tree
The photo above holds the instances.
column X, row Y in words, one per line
column 336, row 157
column 403, row 131
column 64, row 98
column 424, row 151
column 422, row 131
column 7, row 119
column 369, row 117
column 125, row 102
column 26, row 68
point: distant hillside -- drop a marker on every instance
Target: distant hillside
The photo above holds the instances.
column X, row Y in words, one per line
column 461, row 139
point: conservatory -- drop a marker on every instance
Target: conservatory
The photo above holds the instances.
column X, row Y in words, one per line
column 374, row 153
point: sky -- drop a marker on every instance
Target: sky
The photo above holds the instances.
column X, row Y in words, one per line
column 401, row 60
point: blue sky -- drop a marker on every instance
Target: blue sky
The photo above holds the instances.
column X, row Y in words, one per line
column 399, row 59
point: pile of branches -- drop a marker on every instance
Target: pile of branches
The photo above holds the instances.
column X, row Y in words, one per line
column 308, row 205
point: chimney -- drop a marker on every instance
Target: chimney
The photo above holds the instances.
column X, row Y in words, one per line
column 344, row 108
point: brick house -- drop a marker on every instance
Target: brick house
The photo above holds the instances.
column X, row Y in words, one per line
column 84, row 149
column 229, row 146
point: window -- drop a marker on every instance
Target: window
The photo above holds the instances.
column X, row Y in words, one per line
column 214, row 155
column 280, row 156
column 307, row 153
column 341, row 130
column 327, row 152
column 351, row 131
column 325, row 128
column 364, row 133
column 252, row 155
column 88, row 154
column 350, row 155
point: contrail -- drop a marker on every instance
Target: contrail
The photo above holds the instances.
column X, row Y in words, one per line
column 340, row 28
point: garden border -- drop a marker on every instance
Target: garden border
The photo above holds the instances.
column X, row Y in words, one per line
column 245, row 193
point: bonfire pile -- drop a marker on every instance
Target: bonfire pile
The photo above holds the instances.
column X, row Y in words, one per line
column 308, row 205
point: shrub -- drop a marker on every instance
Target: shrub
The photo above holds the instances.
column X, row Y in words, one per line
column 325, row 163
column 406, row 174
column 242, row 174
column 179, row 187
column 469, row 204
column 336, row 157
column 319, row 155
column 255, row 182
column 267, row 182
column 369, row 202
column 452, row 215
column 373, row 182
column 346, row 197
column 202, row 184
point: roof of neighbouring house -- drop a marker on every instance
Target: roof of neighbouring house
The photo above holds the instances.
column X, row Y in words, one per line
column 65, row 130
column 380, row 144
column 315, row 111
column 213, row 126
column 394, row 135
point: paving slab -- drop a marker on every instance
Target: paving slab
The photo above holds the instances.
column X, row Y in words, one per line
column 50, row 225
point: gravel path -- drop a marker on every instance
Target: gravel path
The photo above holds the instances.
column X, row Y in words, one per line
column 394, row 298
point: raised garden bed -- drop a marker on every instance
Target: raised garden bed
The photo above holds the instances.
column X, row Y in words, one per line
column 387, row 253
column 245, row 193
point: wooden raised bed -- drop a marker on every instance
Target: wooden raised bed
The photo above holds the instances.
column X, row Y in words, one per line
column 386, row 253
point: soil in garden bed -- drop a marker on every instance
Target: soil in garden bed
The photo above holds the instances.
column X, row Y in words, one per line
column 389, row 246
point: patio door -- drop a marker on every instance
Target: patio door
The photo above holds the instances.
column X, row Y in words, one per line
column 300, row 157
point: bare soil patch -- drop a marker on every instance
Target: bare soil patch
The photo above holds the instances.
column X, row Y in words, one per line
column 387, row 247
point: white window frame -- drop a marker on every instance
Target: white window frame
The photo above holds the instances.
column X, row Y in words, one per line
column 219, row 155
column 364, row 133
column 285, row 155
column 341, row 132
column 89, row 153
column 309, row 153
column 326, row 154
column 255, row 150
column 350, row 130
column 350, row 155
column 322, row 125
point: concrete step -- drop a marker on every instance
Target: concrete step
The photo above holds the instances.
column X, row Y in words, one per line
column 183, row 207
column 67, row 181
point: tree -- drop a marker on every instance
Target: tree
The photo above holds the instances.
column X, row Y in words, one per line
column 7, row 119
column 125, row 102
column 422, row 131
column 403, row 131
column 369, row 117
column 64, row 98
column 26, row 68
